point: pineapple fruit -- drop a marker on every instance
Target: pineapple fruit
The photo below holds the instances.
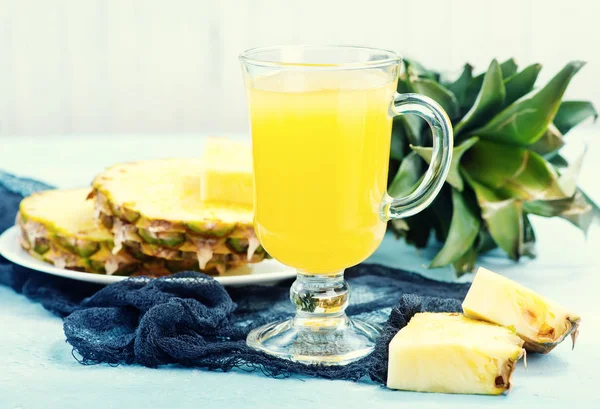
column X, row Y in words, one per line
column 152, row 218
column 227, row 172
column 450, row 353
column 540, row 322
column 154, row 208
column 58, row 226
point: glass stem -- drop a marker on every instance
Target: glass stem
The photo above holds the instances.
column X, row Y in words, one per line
column 320, row 296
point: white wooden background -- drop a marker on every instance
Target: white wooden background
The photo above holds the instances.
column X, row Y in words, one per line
column 170, row 66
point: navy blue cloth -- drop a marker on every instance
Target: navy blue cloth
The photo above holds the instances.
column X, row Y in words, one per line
column 191, row 320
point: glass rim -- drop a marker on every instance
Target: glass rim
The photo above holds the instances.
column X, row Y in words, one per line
column 249, row 57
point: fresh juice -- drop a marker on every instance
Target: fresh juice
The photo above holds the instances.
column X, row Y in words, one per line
column 321, row 143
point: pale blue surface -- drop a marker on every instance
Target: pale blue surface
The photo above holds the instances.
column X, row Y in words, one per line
column 37, row 369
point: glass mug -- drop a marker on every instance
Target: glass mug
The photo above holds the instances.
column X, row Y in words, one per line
column 321, row 120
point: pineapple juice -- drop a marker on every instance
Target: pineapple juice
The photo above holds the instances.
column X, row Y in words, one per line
column 321, row 143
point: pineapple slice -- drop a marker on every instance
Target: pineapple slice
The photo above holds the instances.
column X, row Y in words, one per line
column 152, row 207
column 540, row 322
column 227, row 172
column 58, row 227
column 450, row 353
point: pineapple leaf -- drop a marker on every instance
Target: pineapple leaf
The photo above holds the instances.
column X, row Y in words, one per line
column 442, row 209
column 398, row 142
column 407, row 177
column 508, row 68
column 514, row 171
column 407, row 129
column 466, row 263
column 414, row 68
column 502, row 217
column 552, row 208
column 558, row 161
column 520, row 83
column 594, row 205
column 525, row 121
column 414, row 129
column 549, row 144
column 419, row 228
column 404, row 86
column 489, row 100
column 485, row 242
column 595, row 213
column 527, row 244
column 507, row 167
column 568, row 178
column 547, row 208
column 460, row 86
column 464, row 227
column 582, row 220
column 577, row 209
column 439, row 94
column 454, row 177
column 571, row 113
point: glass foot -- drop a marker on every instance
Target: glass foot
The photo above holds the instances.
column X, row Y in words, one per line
column 321, row 332
column 325, row 341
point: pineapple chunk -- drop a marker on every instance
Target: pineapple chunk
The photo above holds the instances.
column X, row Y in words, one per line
column 541, row 323
column 450, row 353
column 227, row 172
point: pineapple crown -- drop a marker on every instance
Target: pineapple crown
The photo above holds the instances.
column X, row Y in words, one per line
column 506, row 163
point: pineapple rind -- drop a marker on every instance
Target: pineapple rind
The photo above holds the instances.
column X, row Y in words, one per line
column 190, row 245
column 63, row 257
column 450, row 353
column 540, row 322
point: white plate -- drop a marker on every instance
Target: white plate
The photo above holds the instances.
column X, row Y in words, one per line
column 267, row 271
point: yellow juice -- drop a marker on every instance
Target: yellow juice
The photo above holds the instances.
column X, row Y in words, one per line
column 321, row 143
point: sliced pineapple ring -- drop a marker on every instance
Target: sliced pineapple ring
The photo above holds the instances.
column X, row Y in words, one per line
column 164, row 196
column 450, row 353
column 58, row 226
column 158, row 205
column 541, row 323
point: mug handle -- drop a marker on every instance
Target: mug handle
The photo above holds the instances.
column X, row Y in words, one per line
column 441, row 128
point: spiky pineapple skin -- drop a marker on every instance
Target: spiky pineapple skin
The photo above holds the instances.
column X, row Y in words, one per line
column 450, row 353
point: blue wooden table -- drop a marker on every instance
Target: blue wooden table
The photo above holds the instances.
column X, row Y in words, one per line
column 37, row 369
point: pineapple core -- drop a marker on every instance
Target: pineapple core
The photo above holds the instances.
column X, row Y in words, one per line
column 227, row 172
column 450, row 353
column 540, row 322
